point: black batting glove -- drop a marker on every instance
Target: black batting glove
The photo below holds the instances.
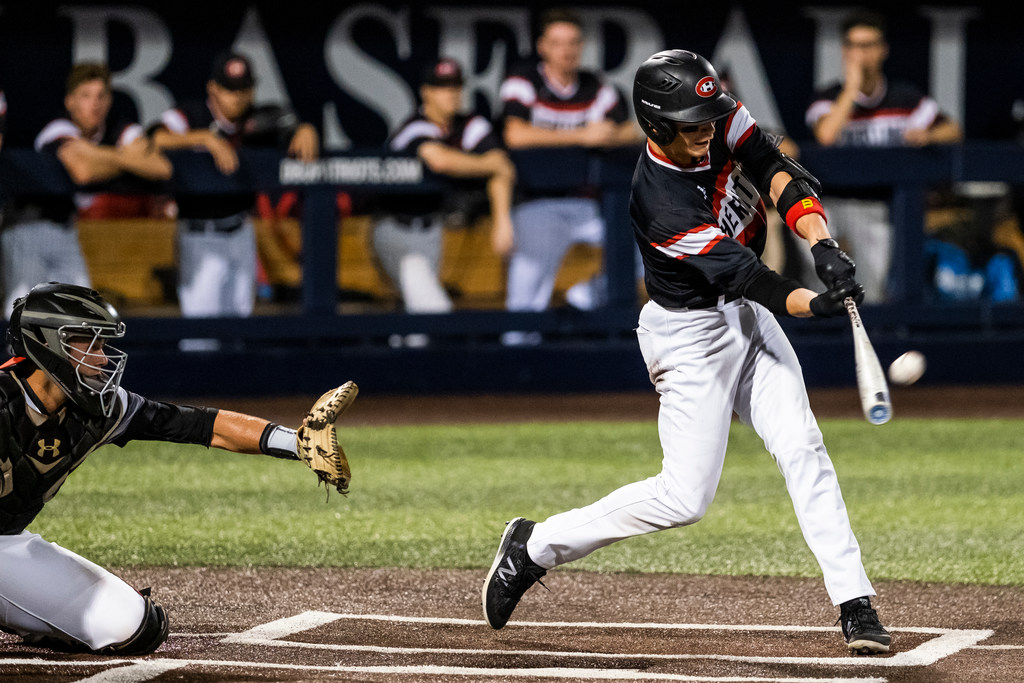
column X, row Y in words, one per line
column 829, row 304
column 831, row 263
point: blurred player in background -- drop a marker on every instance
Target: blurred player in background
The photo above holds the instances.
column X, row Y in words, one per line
column 408, row 230
column 555, row 103
column 711, row 342
column 216, row 239
column 40, row 236
column 866, row 109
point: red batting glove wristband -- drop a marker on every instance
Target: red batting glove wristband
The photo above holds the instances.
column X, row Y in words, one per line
column 803, row 207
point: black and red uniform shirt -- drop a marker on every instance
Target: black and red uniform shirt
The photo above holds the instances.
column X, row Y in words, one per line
column 38, row 450
column 470, row 133
column 879, row 119
column 264, row 126
column 526, row 93
column 701, row 228
column 62, row 209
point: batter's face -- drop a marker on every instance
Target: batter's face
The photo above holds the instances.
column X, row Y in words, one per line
column 88, row 105
column 561, row 47
column 231, row 104
column 691, row 142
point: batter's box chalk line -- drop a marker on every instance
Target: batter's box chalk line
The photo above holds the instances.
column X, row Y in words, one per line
column 945, row 643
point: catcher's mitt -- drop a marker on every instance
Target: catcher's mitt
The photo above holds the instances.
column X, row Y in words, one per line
column 317, row 441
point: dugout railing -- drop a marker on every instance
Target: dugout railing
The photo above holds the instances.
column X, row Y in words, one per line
column 289, row 351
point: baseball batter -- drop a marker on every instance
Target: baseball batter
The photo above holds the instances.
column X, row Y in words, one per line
column 711, row 342
column 60, row 400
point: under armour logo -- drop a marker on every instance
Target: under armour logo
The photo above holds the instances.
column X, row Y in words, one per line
column 507, row 575
column 48, row 453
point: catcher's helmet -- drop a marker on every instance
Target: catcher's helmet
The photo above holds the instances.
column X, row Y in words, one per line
column 677, row 86
column 45, row 322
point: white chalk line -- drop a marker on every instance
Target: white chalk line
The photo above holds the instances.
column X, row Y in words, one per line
column 947, row 642
column 125, row 674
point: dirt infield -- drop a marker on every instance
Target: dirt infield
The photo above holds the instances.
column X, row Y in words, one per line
column 406, row 626
column 418, row 625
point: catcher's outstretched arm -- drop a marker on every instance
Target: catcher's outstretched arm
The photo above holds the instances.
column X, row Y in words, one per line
column 238, row 432
column 314, row 443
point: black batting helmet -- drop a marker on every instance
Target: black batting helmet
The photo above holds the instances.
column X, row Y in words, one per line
column 677, row 86
column 45, row 322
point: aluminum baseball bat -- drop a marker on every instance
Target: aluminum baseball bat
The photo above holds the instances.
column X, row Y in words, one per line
column 874, row 390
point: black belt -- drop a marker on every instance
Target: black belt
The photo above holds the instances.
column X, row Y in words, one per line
column 712, row 303
column 229, row 224
column 415, row 223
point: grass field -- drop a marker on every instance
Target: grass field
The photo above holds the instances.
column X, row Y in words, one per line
column 934, row 500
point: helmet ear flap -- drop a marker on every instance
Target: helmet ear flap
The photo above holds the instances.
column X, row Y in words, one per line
column 660, row 131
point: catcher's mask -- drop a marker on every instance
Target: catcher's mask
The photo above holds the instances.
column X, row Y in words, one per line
column 677, row 86
column 63, row 330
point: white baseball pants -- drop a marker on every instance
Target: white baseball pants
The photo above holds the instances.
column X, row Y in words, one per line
column 39, row 251
column 706, row 364
column 217, row 271
column 47, row 591
column 544, row 231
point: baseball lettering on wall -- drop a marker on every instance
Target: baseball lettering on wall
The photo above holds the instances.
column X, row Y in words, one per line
column 350, row 68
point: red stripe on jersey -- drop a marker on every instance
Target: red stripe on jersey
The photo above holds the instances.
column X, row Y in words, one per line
column 680, row 235
column 710, row 245
column 11, row 362
column 565, row 106
column 883, row 113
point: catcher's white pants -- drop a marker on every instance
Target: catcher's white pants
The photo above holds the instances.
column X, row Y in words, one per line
column 47, row 591
column 706, row 364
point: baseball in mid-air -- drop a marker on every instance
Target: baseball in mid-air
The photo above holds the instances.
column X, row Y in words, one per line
column 907, row 369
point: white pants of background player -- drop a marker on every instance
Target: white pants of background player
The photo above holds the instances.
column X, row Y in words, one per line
column 39, row 251
column 49, row 592
column 544, row 231
column 706, row 364
column 411, row 256
column 217, row 270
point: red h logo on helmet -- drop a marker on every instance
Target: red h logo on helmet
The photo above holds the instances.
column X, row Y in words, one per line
column 706, row 87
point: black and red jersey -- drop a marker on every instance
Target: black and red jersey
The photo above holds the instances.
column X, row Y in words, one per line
column 528, row 94
column 264, row 126
column 62, row 209
column 701, row 228
column 879, row 119
column 470, row 133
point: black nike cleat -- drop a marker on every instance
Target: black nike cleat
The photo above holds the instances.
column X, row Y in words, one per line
column 863, row 632
column 511, row 574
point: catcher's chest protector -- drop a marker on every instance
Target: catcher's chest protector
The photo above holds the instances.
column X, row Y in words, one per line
column 35, row 460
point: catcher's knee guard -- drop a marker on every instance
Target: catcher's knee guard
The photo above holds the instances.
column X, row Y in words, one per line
column 151, row 633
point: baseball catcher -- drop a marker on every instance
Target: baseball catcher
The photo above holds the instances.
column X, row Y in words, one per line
column 60, row 399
